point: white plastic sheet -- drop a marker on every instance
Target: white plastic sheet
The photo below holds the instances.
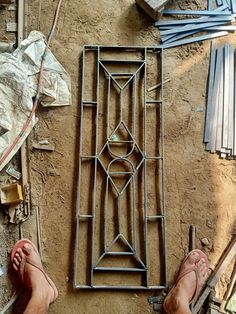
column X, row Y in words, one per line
column 18, row 85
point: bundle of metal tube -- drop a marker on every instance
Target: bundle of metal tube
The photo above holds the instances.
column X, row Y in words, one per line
column 220, row 124
column 214, row 22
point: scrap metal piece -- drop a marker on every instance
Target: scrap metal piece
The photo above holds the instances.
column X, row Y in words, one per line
column 13, row 172
column 121, row 226
column 11, row 27
column 43, row 146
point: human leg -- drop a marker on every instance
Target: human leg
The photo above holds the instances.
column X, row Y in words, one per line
column 193, row 275
column 26, row 261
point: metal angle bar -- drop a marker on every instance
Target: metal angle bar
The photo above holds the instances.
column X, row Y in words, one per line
column 215, row 103
column 226, row 97
column 76, row 253
column 192, row 12
column 209, row 5
column 174, row 23
column 220, row 110
column 163, row 210
column 211, row 79
column 233, row 6
column 229, row 3
column 228, row 28
column 193, row 40
column 231, row 98
column 234, row 148
column 178, row 36
column 191, row 27
column 145, row 177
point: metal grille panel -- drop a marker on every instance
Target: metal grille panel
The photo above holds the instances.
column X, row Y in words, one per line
column 120, row 228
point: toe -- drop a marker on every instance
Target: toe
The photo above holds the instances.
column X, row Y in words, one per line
column 18, row 257
column 15, row 267
column 193, row 257
column 27, row 249
column 20, row 252
column 16, row 262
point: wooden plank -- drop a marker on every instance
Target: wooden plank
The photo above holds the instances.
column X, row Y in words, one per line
column 192, row 40
column 211, row 79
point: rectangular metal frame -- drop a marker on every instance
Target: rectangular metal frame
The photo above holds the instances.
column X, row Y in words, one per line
column 91, row 218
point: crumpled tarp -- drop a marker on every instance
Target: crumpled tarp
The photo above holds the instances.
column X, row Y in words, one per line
column 18, row 85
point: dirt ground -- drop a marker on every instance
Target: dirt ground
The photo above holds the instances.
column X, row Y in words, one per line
column 200, row 187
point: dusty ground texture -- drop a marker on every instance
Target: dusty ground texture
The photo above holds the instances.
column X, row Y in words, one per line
column 200, row 188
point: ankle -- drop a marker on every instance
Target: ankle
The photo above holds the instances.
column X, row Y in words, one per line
column 42, row 296
column 177, row 301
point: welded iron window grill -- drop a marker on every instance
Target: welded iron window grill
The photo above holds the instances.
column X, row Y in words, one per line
column 120, row 220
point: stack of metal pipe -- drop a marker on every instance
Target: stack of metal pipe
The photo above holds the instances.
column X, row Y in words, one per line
column 220, row 124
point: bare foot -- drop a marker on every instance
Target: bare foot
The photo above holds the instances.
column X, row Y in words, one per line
column 33, row 278
column 179, row 298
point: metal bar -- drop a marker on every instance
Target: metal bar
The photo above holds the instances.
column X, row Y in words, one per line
column 220, row 110
column 120, row 269
column 192, row 12
column 76, row 252
column 211, row 79
column 226, row 97
column 234, row 148
column 209, row 5
column 231, row 99
column 120, row 253
column 104, row 287
column 20, row 21
column 216, row 90
column 163, row 172
column 233, row 6
column 178, row 36
column 121, row 61
column 190, row 27
column 173, row 23
column 193, row 40
column 145, row 174
column 192, row 238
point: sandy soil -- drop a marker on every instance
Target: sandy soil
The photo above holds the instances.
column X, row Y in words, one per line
column 199, row 186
